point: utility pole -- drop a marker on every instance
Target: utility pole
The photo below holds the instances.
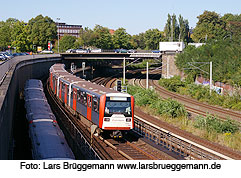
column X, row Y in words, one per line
column 210, row 71
column 147, row 77
column 211, row 76
column 58, row 33
column 124, row 70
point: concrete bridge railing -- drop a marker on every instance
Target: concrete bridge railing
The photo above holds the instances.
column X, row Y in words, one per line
column 13, row 74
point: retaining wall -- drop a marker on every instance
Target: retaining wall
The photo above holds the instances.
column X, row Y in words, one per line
column 13, row 74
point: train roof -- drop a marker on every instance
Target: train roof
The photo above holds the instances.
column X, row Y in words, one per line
column 33, row 83
column 50, row 141
column 89, row 87
column 34, row 94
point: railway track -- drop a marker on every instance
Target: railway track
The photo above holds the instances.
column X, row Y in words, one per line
column 195, row 147
column 177, row 145
column 96, row 147
column 133, row 148
column 193, row 106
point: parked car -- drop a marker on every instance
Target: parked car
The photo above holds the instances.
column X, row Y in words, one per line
column 121, row 51
column 47, row 52
column 3, row 57
column 96, row 50
column 7, row 54
column 131, row 51
column 16, row 54
column 155, row 51
column 81, row 51
column 70, row 51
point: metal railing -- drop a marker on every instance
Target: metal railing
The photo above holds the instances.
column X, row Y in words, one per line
column 175, row 143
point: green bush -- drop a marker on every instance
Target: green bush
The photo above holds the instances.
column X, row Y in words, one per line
column 237, row 106
column 225, row 55
column 212, row 123
column 170, row 108
column 201, row 93
column 163, row 107
column 172, row 84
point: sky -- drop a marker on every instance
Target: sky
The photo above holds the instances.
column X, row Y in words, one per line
column 135, row 16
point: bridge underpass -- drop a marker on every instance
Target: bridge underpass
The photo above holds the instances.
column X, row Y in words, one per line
column 168, row 68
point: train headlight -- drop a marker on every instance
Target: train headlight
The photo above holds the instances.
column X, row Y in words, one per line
column 128, row 119
column 107, row 119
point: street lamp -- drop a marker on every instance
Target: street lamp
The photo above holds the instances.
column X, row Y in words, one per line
column 58, row 31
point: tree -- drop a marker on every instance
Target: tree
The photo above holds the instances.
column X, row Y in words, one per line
column 66, row 42
column 19, row 37
column 209, row 26
column 121, row 39
column 152, row 38
column 167, row 29
column 175, row 31
column 225, row 55
column 40, row 30
column 5, row 38
column 86, row 38
column 138, row 41
column 183, row 29
column 102, row 37
column 175, row 28
column 6, row 30
column 233, row 25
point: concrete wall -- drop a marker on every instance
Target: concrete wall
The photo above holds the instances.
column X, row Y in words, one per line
column 19, row 70
column 169, row 69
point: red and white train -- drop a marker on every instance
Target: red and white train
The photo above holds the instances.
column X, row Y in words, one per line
column 108, row 109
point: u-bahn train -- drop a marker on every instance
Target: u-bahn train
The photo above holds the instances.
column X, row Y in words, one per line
column 111, row 111
column 48, row 141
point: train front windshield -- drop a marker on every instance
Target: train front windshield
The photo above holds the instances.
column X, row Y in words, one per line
column 118, row 107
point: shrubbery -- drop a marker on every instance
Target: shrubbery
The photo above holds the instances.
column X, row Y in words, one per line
column 225, row 55
column 211, row 123
column 172, row 84
column 201, row 93
column 163, row 107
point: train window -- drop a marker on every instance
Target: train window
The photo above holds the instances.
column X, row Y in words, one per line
column 63, row 87
column 71, row 93
column 95, row 104
column 118, row 107
column 89, row 101
column 98, row 104
column 83, row 98
column 60, row 86
column 78, row 96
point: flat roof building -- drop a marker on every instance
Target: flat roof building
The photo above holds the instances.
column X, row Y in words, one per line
column 65, row 29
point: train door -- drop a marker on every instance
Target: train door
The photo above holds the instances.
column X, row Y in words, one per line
column 65, row 93
column 89, row 106
column 51, row 80
column 74, row 98
column 60, row 89
column 55, row 89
